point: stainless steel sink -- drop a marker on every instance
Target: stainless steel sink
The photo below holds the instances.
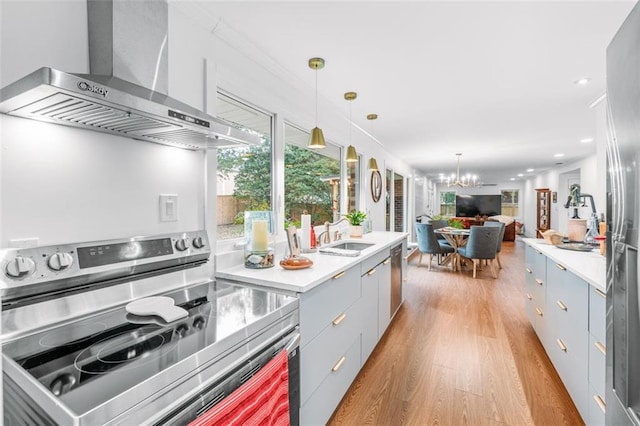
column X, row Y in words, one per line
column 345, row 248
column 351, row 245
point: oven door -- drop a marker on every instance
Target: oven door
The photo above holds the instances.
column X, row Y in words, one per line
column 209, row 395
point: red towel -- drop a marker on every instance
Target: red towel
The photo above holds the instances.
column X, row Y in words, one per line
column 263, row 400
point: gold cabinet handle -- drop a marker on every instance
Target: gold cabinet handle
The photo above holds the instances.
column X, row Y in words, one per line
column 338, row 364
column 539, row 281
column 529, row 296
column 602, row 348
column 339, row 318
column 386, row 261
column 562, row 268
column 560, row 343
column 336, row 276
column 371, row 272
column 529, row 270
column 601, row 293
column 561, row 305
column 539, row 311
column 600, row 402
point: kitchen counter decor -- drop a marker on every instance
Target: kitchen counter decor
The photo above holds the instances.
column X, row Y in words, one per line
column 258, row 231
column 296, row 262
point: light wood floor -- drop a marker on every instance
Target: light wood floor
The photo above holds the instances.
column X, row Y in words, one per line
column 460, row 351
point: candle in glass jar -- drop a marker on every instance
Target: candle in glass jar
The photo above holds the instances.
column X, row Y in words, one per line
column 260, row 235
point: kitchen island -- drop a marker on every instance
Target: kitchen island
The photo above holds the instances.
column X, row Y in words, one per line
column 565, row 298
column 346, row 304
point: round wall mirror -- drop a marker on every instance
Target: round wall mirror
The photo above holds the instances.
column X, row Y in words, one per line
column 376, row 185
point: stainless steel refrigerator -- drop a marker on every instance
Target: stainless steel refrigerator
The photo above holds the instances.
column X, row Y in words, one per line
column 623, row 216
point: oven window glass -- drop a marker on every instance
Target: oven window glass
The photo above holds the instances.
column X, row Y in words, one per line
column 244, row 180
column 311, row 179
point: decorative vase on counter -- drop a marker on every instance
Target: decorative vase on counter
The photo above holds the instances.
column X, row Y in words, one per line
column 356, row 231
column 259, row 240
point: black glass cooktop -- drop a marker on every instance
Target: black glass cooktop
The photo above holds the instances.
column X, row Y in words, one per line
column 91, row 360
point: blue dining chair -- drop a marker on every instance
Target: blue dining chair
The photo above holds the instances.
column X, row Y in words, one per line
column 429, row 244
column 481, row 245
column 502, row 227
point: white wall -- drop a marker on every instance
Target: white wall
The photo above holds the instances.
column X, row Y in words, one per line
column 61, row 184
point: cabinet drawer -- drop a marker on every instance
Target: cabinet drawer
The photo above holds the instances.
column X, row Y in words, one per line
column 320, row 406
column 529, row 258
column 368, row 313
column 325, row 302
column 597, row 408
column 597, row 363
column 539, row 265
column 567, row 307
column 321, row 354
column 572, row 367
column 597, row 313
column 371, row 262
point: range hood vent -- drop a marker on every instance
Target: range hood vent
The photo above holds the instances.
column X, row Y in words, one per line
column 123, row 41
column 111, row 105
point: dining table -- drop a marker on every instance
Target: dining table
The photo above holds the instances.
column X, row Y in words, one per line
column 456, row 237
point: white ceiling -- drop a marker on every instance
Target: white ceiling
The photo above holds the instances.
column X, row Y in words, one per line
column 493, row 80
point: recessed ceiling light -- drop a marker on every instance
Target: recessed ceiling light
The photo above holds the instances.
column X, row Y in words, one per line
column 513, row 179
column 586, row 140
column 520, row 174
column 530, row 170
column 558, row 155
column 582, row 81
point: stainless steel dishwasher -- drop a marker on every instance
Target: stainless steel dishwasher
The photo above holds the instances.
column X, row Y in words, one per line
column 396, row 278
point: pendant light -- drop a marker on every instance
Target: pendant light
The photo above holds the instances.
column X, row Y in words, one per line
column 373, row 164
column 317, row 138
column 352, row 155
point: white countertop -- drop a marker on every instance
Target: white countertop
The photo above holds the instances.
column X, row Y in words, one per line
column 590, row 266
column 324, row 266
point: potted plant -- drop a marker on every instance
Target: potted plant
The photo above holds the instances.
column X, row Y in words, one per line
column 356, row 219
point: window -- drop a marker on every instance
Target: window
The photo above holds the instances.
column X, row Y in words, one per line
column 244, row 172
column 353, row 186
column 448, row 203
column 398, row 202
column 311, row 179
column 510, row 202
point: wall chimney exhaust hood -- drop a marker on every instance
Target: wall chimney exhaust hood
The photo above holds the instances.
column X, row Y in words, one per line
column 103, row 101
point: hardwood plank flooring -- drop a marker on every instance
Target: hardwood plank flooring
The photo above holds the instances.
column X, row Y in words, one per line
column 460, row 351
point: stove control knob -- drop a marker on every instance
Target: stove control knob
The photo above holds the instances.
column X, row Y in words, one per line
column 60, row 261
column 20, row 267
column 182, row 330
column 198, row 242
column 198, row 323
column 182, row 244
column 62, row 384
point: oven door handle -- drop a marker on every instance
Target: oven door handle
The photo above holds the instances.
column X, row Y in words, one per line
column 293, row 344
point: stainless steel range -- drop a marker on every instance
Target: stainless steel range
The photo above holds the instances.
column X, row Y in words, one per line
column 75, row 354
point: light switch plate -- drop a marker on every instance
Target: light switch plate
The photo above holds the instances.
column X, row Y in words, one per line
column 168, row 207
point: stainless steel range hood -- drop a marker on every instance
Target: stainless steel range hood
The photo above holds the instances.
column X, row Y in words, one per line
column 102, row 101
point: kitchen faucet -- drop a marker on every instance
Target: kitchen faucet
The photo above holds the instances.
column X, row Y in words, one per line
column 327, row 233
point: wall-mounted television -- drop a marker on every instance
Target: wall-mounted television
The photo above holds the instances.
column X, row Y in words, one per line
column 473, row 205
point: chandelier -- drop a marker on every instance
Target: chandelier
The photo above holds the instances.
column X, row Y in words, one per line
column 460, row 181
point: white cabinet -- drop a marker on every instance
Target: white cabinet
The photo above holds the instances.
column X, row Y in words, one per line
column 376, row 300
column 330, row 333
column 567, row 335
column 568, row 315
column 535, row 290
column 597, row 356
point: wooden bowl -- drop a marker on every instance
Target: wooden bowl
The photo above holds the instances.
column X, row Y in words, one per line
column 552, row 237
